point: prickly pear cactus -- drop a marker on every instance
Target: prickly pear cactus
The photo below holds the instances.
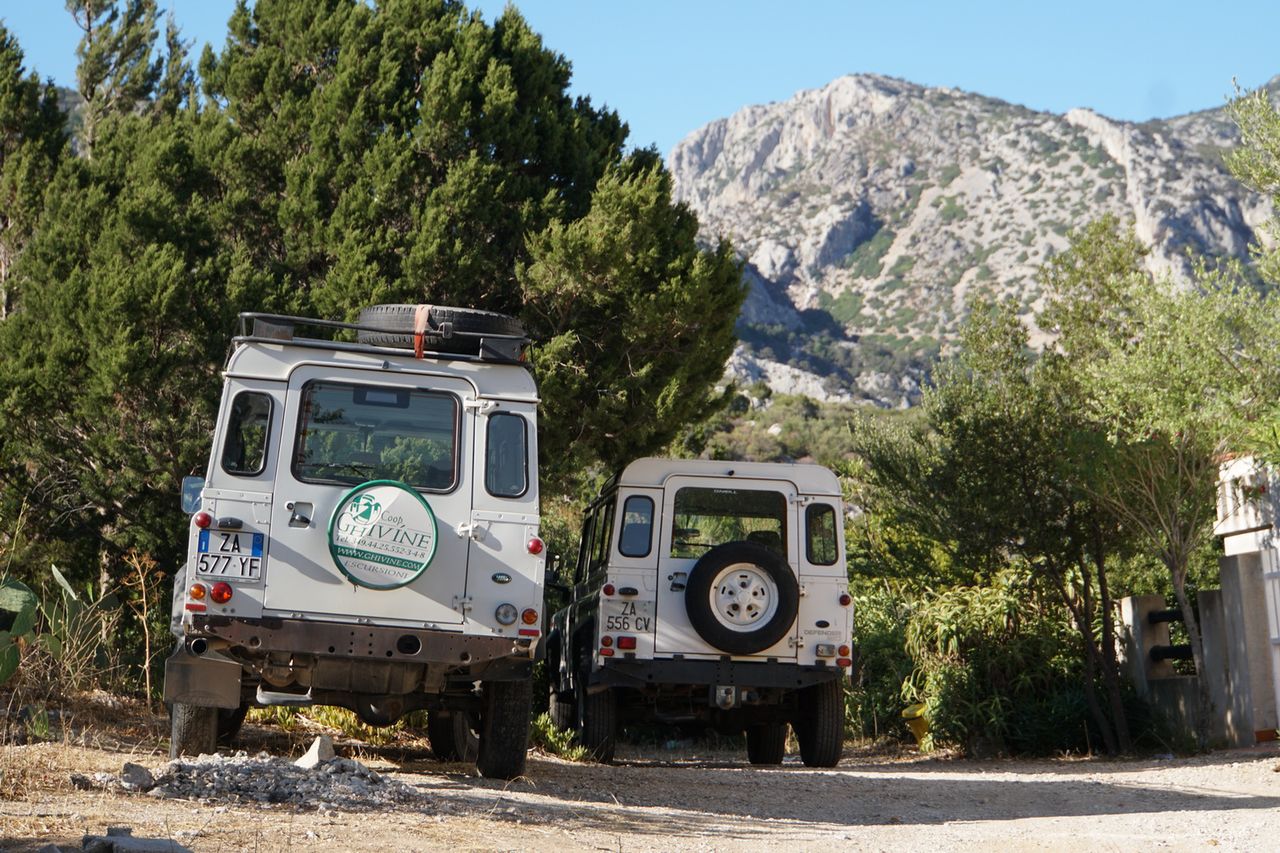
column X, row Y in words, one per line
column 17, row 620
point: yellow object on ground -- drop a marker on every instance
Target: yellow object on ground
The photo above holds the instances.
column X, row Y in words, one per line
column 915, row 719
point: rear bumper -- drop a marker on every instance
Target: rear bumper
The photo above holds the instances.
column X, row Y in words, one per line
column 629, row 672
column 366, row 642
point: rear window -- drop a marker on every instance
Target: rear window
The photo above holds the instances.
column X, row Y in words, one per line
column 349, row 434
column 820, row 534
column 506, row 463
column 705, row 518
column 244, row 452
column 637, row 526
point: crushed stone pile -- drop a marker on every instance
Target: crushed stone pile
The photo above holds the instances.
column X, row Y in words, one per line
column 335, row 783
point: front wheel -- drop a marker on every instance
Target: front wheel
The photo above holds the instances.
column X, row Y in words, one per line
column 453, row 735
column 504, row 728
column 767, row 743
column 819, row 724
column 193, row 730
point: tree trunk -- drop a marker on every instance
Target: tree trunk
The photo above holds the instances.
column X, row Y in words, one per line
column 1204, row 704
column 1110, row 664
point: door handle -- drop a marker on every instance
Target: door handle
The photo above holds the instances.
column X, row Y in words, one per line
column 299, row 514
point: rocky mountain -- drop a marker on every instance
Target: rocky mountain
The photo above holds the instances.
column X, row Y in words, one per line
column 870, row 211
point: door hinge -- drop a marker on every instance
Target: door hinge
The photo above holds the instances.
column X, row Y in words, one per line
column 480, row 405
column 795, row 642
column 462, row 604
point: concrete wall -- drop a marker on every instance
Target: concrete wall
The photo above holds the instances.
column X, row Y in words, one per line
column 1241, row 661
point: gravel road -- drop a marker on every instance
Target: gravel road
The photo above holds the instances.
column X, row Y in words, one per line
column 664, row 799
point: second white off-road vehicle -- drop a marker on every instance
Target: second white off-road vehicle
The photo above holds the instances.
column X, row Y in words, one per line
column 367, row 532
column 710, row 591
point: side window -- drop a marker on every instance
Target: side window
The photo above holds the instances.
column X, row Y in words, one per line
column 584, row 550
column 603, row 533
column 506, row 462
column 820, row 534
column 637, row 527
column 244, row 453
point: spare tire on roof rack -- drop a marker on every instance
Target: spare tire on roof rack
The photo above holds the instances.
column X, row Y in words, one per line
column 446, row 329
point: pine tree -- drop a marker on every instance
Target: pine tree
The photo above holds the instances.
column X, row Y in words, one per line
column 117, row 71
column 31, row 144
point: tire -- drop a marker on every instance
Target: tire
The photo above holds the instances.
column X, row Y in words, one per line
column 193, row 730
column 504, row 729
column 392, row 326
column 598, row 722
column 741, row 598
column 230, row 721
column 819, row 724
column 561, row 711
column 452, row 735
column 440, row 733
column 767, row 743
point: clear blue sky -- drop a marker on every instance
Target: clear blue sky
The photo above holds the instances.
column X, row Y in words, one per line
column 670, row 66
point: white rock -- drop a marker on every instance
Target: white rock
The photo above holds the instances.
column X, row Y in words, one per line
column 321, row 750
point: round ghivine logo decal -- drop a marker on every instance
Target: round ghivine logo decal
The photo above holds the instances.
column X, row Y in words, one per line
column 382, row 534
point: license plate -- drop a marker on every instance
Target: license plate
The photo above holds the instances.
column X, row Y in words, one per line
column 624, row 615
column 225, row 553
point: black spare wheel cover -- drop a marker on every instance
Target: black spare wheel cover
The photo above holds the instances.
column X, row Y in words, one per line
column 761, row 573
column 394, row 327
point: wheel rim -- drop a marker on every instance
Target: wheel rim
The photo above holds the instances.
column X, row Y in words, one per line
column 743, row 597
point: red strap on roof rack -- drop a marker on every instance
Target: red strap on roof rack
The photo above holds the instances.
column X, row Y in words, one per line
column 421, row 320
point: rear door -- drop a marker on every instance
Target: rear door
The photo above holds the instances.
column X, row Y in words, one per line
column 344, row 429
column 700, row 513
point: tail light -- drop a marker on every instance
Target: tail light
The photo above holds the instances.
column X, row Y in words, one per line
column 845, row 599
column 535, row 546
column 606, row 653
column 608, row 589
column 197, row 592
column 221, row 592
column 606, row 641
column 844, row 651
column 626, row 642
column 529, row 616
column 202, row 520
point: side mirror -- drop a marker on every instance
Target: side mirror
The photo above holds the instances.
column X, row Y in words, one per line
column 191, row 489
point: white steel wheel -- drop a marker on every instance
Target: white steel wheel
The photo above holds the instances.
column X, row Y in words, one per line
column 743, row 597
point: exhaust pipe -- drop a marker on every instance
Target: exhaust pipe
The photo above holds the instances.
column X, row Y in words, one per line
column 198, row 646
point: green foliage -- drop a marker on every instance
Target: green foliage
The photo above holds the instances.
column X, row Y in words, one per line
column 951, row 210
column 866, row 259
column 948, row 174
column 844, row 308
column 544, row 735
column 993, row 670
column 17, row 620
column 874, row 704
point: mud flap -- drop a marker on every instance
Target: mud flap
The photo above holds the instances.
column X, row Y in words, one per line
column 209, row 681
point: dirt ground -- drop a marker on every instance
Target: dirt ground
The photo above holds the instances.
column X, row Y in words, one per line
column 680, row 797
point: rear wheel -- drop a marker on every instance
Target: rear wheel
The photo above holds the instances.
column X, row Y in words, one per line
column 193, row 730
column 598, row 722
column 819, row 724
column 504, row 728
column 767, row 743
column 230, row 720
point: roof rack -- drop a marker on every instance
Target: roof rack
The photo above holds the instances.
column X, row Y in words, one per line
column 259, row 327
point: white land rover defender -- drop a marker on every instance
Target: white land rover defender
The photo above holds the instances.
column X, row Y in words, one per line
column 367, row 535
column 711, row 591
